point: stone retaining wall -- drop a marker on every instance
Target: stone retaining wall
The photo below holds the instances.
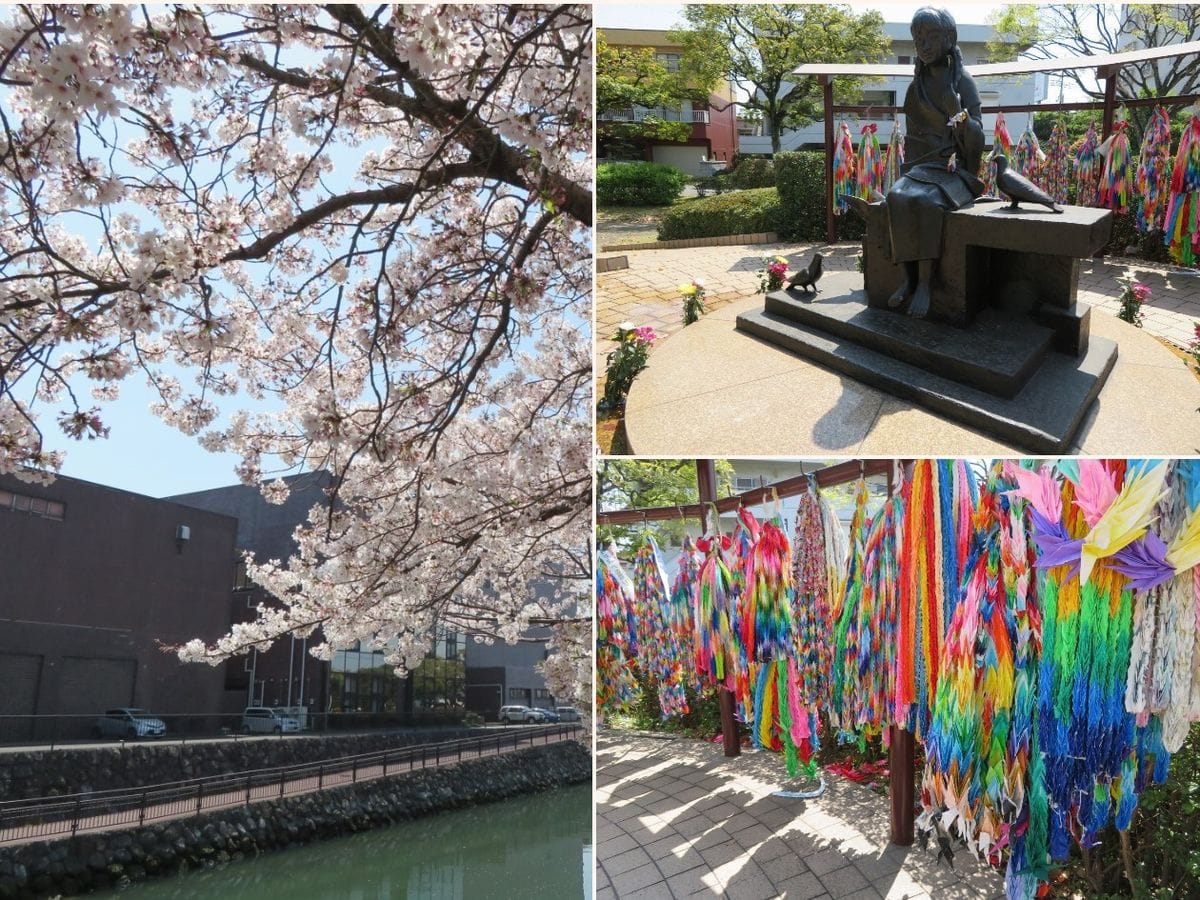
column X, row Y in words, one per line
column 51, row 773
column 116, row 858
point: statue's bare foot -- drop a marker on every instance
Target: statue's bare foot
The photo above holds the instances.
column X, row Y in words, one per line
column 919, row 307
column 901, row 296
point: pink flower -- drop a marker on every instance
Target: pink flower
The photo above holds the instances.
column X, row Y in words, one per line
column 1140, row 291
column 779, row 269
column 645, row 334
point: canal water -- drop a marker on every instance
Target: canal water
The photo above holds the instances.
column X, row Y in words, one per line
column 538, row 846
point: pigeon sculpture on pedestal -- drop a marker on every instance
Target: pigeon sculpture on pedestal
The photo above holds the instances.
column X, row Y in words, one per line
column 807, row 277
column 1019, row 188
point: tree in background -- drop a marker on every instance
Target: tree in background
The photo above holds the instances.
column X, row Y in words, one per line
column 628, row 77
column 759, row 46
column 378, row 219
column 1052, row 31
column 637, row 483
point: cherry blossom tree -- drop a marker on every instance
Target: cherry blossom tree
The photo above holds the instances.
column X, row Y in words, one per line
column 374, row 222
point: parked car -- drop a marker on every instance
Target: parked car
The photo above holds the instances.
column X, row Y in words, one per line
column 264, row 720
column 128, row 722
column 567, row 714
column 510, row 714
column 548, row 715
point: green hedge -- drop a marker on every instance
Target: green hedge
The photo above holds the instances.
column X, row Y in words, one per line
column 753, row 172
column 800, row 179
column 740, row 212
column 638, row 184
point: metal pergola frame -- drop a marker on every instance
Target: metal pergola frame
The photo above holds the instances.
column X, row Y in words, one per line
column 1107, row 67
column 901, row 756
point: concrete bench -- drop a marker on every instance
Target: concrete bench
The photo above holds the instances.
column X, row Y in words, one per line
column 1023, row 261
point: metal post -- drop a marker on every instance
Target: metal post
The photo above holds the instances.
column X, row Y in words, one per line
column 247, row 790
column 199, row 797
column 281, row 777
column 75, row 821
column 706, row 482
column 142, row 811
column 291, row 668
column 826, row 82
column 321, row 777
column 900, row 764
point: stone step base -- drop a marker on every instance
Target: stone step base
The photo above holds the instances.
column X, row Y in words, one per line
column 997, row 353
column 1043, row 416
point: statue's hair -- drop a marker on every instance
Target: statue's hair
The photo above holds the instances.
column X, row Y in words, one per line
column 931, row 15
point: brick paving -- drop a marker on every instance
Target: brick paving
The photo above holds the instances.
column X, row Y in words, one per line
column 676, row 819
column 647, row 292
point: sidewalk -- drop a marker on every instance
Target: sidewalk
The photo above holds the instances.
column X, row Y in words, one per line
column 675, row 819
column 647, row 293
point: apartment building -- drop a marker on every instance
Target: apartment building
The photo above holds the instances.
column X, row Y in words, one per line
column 714, row 138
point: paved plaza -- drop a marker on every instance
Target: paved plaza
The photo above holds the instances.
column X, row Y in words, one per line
column 713, row 390
column 647, row 293
column 675, row 819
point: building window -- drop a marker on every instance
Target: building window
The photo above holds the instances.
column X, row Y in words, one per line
column 362, row 682
column 517, row 693
column 742, row 483
column 241, row 581
column 670, row 61
column 541, row 694
column 37, row 506
column 904, row 60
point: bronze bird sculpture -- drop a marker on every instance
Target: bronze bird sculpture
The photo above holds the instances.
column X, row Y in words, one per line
column 807, row 277
column 1019, row 188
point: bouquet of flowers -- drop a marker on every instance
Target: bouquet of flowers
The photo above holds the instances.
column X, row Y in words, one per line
column 1132, row 298
column 693, row 300
column 625, row 361
column 771, row 275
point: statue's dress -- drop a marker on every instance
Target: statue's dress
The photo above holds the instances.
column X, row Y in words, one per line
column 926, row 188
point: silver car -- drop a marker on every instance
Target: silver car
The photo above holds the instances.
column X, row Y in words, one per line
column 128, row 722
column 510, row 714
column 264, row 720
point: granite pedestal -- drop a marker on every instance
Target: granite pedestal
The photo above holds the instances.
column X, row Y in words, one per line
column 1005, row 347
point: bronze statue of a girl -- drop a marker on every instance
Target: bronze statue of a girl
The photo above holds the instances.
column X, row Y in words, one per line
column 943, row 146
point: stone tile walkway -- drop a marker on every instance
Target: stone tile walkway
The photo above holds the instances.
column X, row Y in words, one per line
column 647, row 293
column 675, row 819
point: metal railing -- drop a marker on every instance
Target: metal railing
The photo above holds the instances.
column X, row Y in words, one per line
column 696, row 116
column 42, row 817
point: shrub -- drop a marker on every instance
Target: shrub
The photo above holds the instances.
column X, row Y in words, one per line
column 800, row 180
column 742, row 212
column 753, row 172
column 638, row 184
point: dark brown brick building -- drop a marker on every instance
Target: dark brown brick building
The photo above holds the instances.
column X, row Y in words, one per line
column 93, row 581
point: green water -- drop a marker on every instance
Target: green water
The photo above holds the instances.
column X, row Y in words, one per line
column 532, row 847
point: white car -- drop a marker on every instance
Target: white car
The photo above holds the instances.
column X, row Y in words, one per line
column 510, row 714
column 128, row 722
column 264, row 720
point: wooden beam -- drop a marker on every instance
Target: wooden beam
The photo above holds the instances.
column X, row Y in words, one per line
column 706, row 482
column 1020, row 67
column 1110, row 102
column 883, row 112
column 827, row 92
column 901, row 777
column 839, row 473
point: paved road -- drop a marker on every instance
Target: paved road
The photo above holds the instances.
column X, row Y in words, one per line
column 192, row 805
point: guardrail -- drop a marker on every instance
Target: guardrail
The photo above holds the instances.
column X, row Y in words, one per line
column 42, row 817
